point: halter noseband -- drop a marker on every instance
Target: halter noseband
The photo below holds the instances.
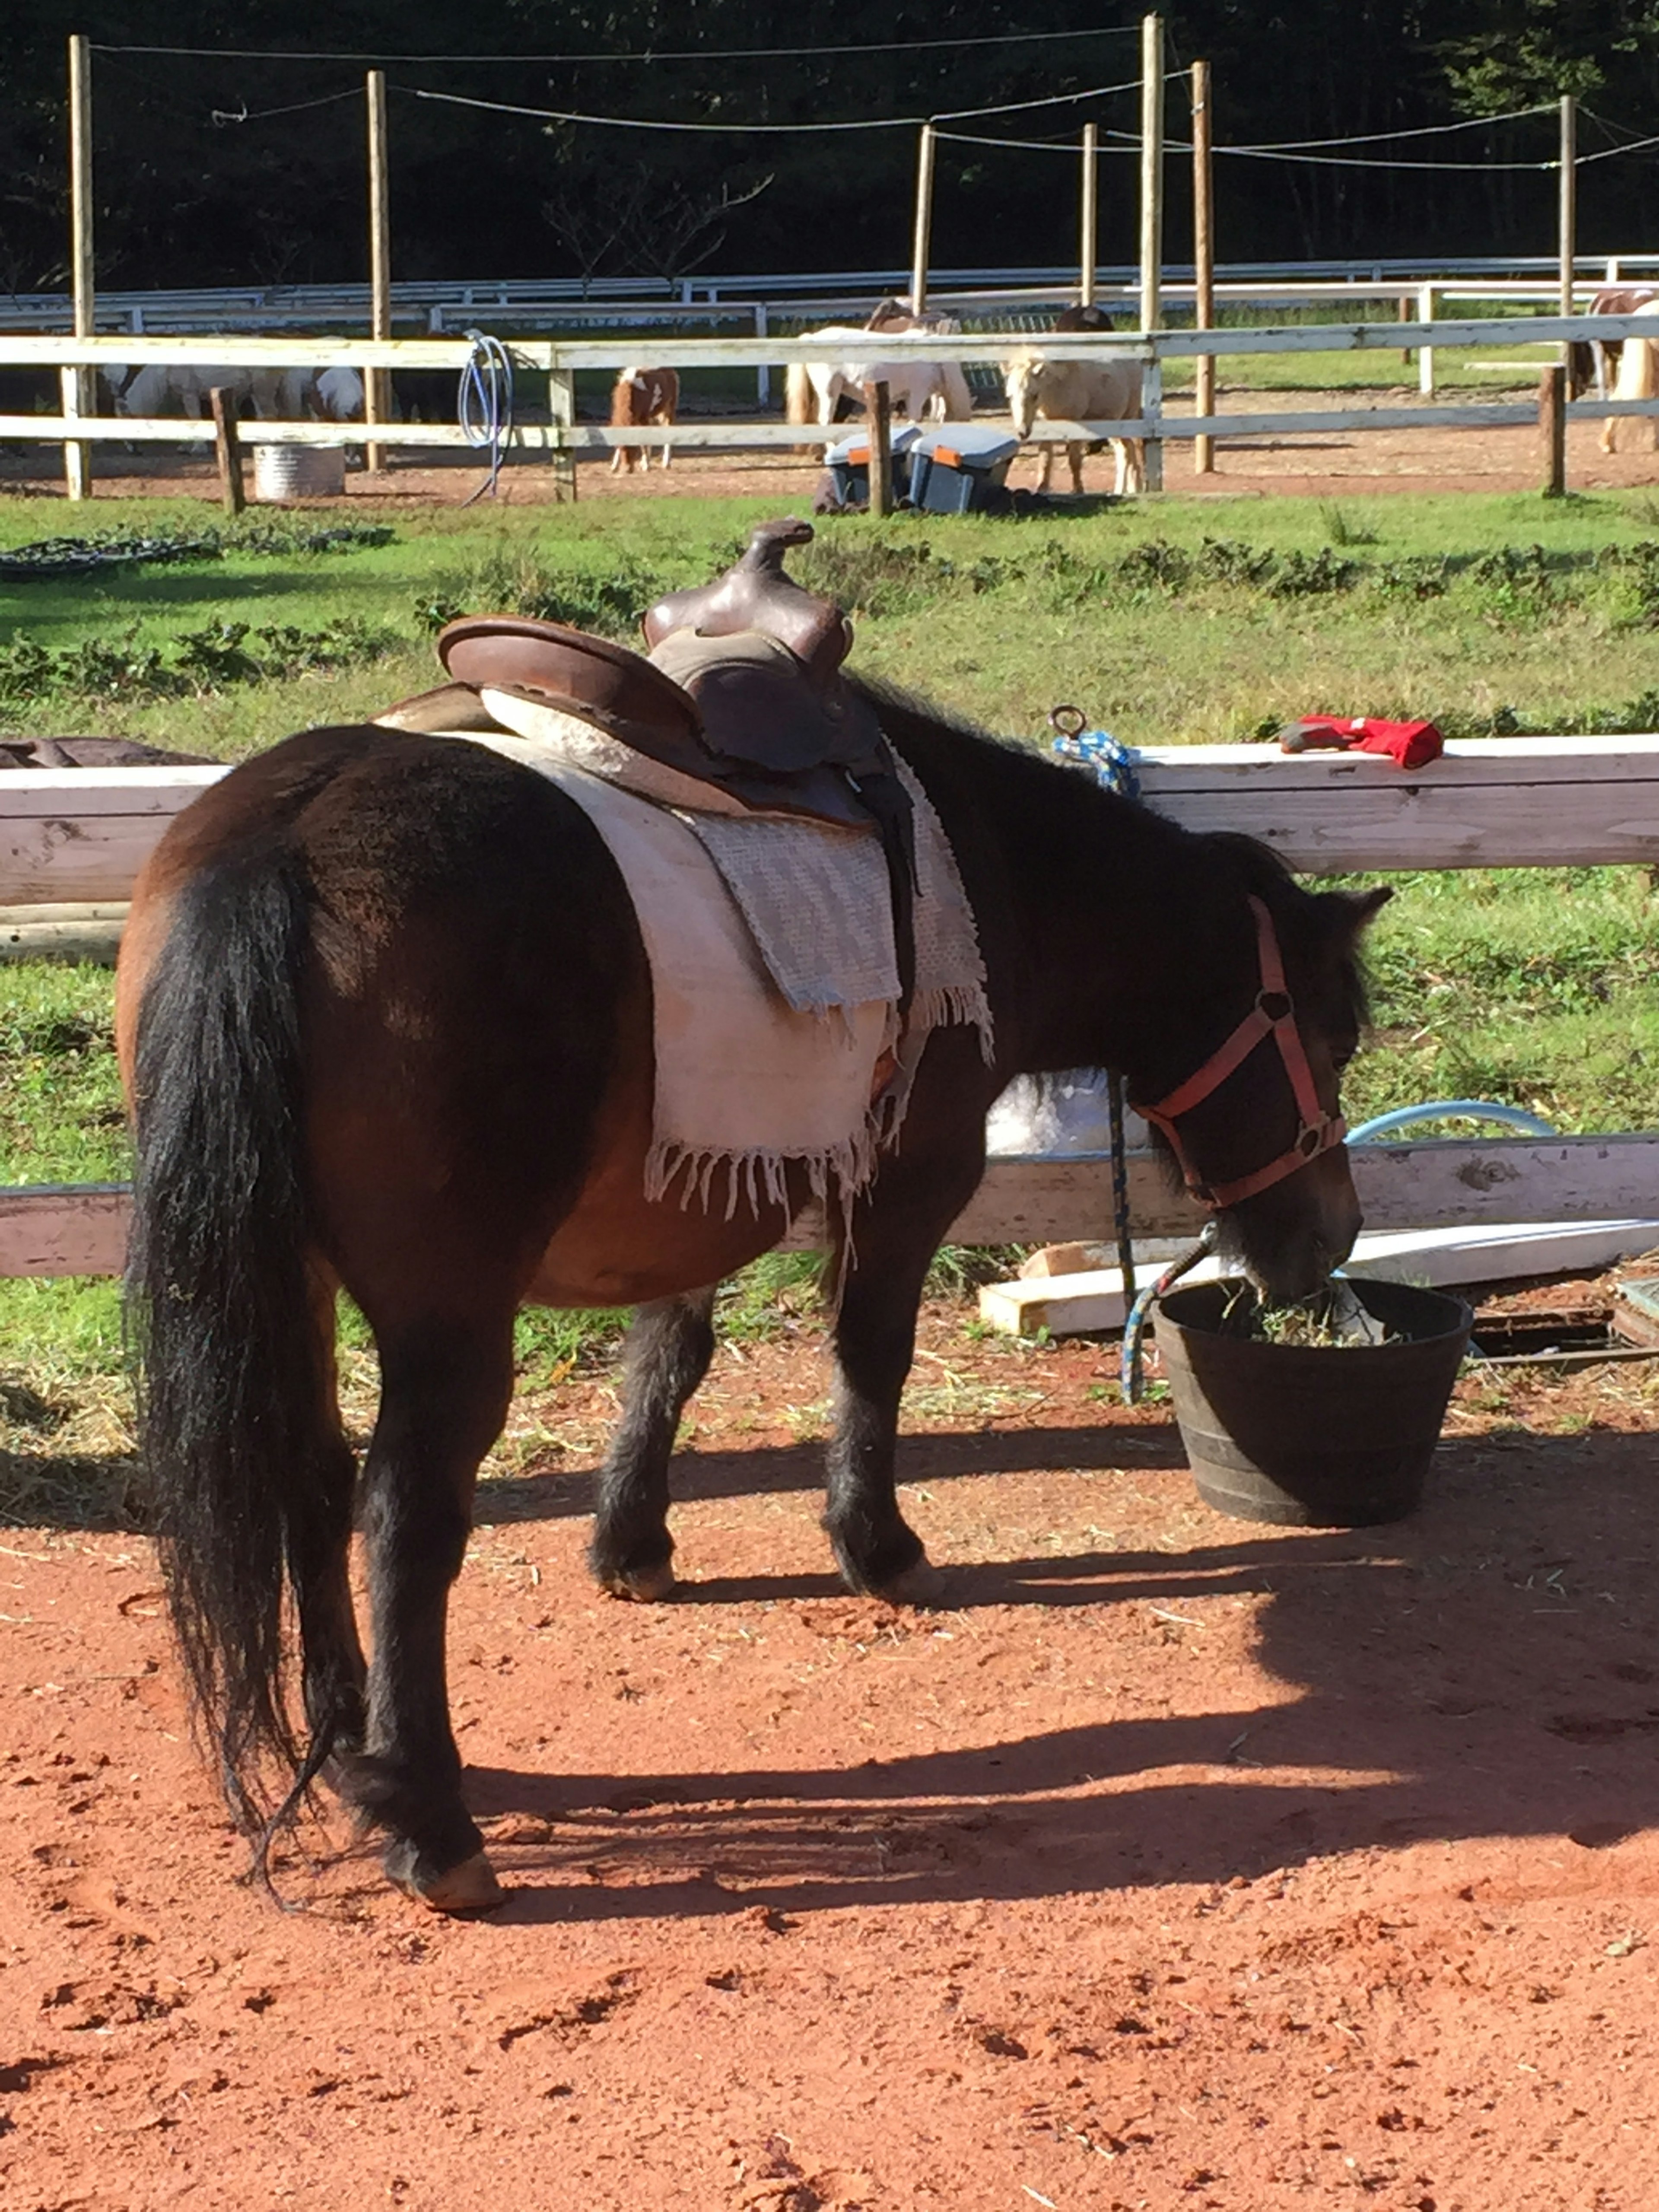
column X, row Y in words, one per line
column 1273, row 1015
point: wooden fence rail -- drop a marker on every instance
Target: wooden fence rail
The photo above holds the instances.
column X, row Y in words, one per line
column 559, row 359
column 81, row 836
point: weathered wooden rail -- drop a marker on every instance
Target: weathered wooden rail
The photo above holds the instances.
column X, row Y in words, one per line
column 80, row 835
column 557, row 360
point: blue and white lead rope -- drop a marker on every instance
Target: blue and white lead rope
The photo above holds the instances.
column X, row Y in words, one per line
column 1116, row 764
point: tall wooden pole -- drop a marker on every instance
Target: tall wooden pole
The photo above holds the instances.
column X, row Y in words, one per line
column 77, row 385
column 924, row 221
column 1203, row 261
column 1089, row 228
column 1152, row 213
column 378, row 383
column 1569, row 199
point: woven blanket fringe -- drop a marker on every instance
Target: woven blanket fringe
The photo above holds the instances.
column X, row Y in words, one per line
column 834, row 1176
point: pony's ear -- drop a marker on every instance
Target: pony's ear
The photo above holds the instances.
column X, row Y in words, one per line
column 1361, row 909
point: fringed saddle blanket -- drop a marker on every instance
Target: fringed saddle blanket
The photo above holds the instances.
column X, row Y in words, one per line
column 773, row 976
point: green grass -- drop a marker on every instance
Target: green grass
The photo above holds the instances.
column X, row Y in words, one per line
column 1007, row 619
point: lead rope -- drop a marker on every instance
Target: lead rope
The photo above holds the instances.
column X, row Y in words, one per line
column 484, row 404
column 1134, row 1329
column 1125, row 1250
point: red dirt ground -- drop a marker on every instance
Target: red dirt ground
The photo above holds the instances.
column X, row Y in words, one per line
column 1183, row 1862
column 1326, row 467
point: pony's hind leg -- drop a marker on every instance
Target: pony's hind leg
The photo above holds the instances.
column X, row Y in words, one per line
column 668, row 1351
column 333, row 1674
column 446, row 1384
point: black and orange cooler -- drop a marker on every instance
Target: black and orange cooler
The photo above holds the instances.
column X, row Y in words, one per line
column 959, row 467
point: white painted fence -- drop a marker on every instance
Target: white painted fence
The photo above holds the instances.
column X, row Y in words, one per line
column 558, row 360
column 82, row 835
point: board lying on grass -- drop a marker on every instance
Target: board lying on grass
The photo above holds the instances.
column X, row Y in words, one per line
column 1076, row 1305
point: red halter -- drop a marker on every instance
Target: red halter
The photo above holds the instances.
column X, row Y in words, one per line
column 1273, row 1015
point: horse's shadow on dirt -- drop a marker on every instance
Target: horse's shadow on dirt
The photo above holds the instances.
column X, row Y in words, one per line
column 1484, row 1670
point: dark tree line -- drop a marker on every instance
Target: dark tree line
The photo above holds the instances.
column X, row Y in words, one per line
column 186, row 197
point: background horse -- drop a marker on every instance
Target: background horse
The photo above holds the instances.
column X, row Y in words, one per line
column 812, row 390
column 179, row 388
column 1078, row 391
column 640, row 396
column 1638, row 379
column 384, row 1014
column 1595, row 360
column 321, row 395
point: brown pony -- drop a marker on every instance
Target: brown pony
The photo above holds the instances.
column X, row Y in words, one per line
column 384, row 1014
column 639, row 397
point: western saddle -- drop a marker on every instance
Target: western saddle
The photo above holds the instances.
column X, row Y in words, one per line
column 742, row 690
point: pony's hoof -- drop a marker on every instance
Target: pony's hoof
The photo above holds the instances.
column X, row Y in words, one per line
column 923, row 1584
column 644, row 1585
column 471, row 1887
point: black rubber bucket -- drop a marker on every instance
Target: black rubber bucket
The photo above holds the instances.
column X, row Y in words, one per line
column 1337, row 1437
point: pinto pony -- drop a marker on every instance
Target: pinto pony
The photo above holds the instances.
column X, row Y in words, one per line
column 1078, row 391
column 639, row 397
column 385, row 1019
column 1637, row 378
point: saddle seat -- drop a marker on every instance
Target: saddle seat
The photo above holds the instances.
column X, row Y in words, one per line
column 743, row 691
column 742, row 688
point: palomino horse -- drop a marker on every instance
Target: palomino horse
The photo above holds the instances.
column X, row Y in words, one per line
column 1078, row 391
column 384, row 1011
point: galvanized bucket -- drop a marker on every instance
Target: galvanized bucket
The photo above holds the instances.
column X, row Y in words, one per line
column 298, row 472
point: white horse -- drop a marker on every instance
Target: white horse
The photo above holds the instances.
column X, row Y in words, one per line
column 321, row 395
column 177, row 388
column 1078, row 391
column 1638, row 379
column 916, row 388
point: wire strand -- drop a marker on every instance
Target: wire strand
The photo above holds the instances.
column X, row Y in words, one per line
column 652, row 54
column 1376, row 138
column 771, row 130
column 223, row 115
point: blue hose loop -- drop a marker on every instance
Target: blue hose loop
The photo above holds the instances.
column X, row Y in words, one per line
column 1116, row 764
column 1131, row 1377
column 1442, row 1109
column 484, row 404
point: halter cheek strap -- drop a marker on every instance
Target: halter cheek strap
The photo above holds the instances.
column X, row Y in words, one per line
column 1273, row 1015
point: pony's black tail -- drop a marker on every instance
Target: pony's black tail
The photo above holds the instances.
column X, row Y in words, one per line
column 231, row 1365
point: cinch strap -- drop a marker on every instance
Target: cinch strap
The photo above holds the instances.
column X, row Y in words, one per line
column 1273, row 1015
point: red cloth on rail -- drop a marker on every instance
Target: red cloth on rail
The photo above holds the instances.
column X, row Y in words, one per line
column 1408, row 744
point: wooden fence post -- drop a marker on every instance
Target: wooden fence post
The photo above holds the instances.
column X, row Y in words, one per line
column 377, row 384
column 1567, row 209
column 879, row 400
column 1152, row 203
column 1552, row 429
column 1203, row 263
column 924, row 221
column 79, row 384
column 562, row 417
column 1089, row 225
column 228, row 449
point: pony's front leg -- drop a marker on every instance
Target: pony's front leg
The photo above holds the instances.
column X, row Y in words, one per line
column 445, row 1388
column 1046, row 454
column 667, row 1354
column 1074, row 454
column 897, row 1231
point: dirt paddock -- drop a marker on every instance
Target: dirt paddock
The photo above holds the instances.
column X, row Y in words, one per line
column 1179, row 1862
column 1327, row 466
